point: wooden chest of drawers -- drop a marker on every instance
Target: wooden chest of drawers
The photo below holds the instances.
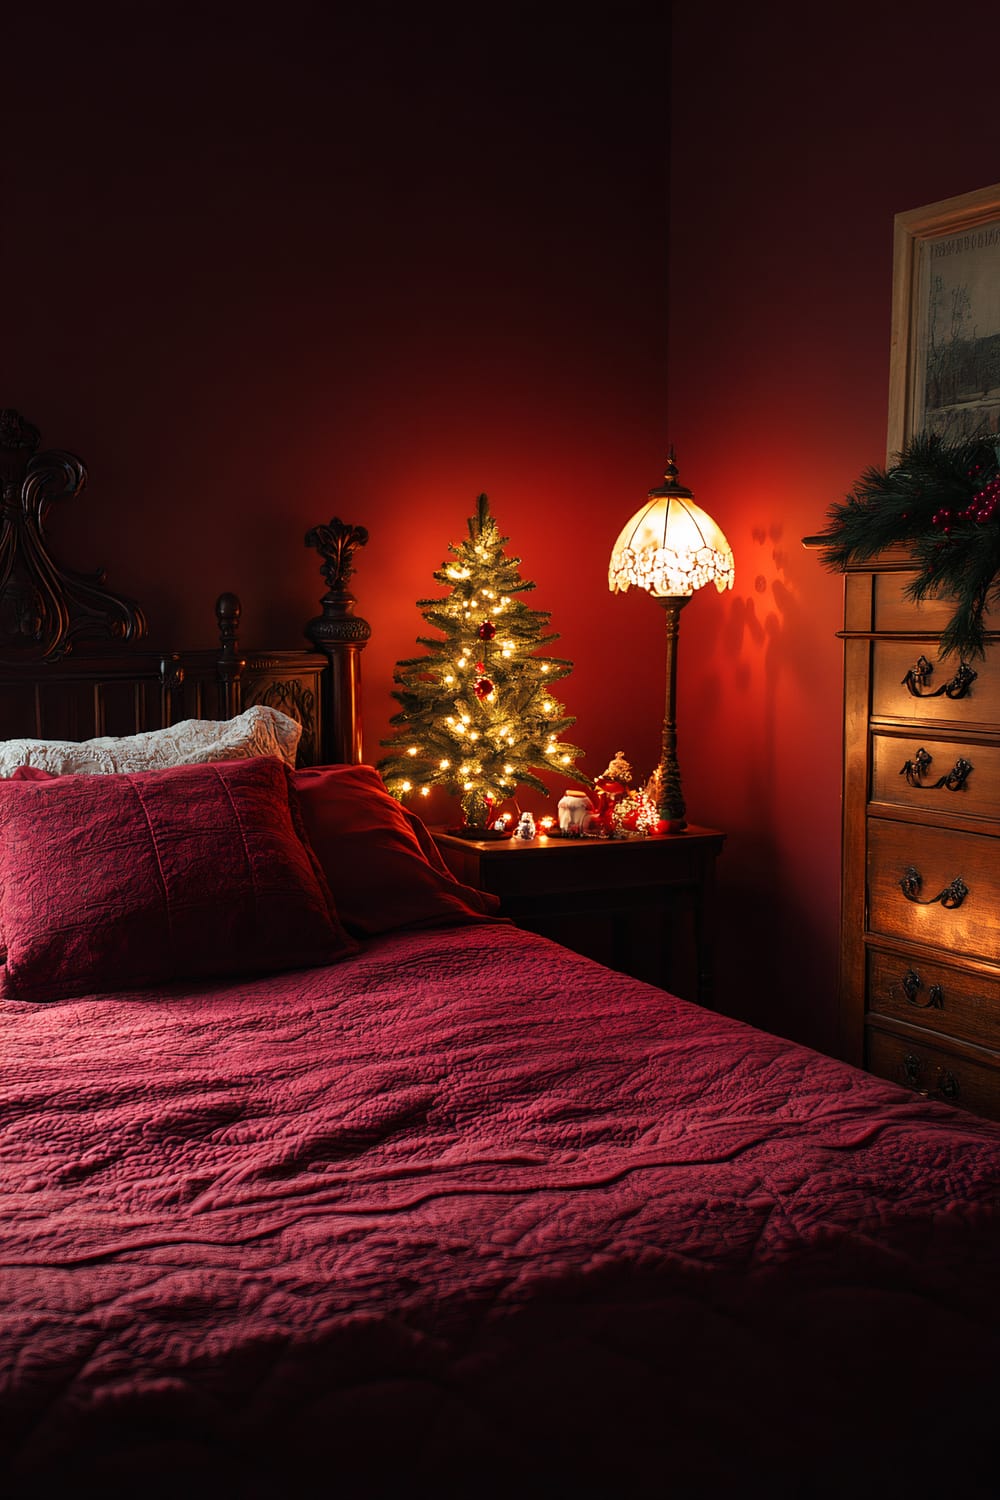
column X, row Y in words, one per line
column 920, row 942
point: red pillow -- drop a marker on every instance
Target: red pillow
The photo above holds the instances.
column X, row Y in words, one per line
column 137, row 879
column 382, row 865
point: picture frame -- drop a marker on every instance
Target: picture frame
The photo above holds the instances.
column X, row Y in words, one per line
column 944, row 369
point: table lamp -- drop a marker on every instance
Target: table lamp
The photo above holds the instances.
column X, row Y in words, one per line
column 670, row 547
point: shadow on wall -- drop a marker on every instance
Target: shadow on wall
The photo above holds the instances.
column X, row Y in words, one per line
column 757, row 656
column 766, row 701
column 770, row 625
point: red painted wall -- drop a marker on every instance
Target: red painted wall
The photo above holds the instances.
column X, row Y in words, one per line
column 793, row 145
column 262, row 267
column 271, row 268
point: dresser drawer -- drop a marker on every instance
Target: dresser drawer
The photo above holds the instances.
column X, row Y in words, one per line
column 936, row 697
column 935, row 1072
column 940, row 776
column 894, row 611
column 935, row 886
column 945, row 1000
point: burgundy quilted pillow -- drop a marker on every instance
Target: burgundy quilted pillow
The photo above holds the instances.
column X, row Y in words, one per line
column 126, row 881
column 382, row 865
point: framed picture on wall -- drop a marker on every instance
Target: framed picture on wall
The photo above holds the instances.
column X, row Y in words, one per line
column 944, row 373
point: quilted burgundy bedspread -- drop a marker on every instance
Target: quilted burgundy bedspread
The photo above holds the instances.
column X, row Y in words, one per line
column 468, row 1214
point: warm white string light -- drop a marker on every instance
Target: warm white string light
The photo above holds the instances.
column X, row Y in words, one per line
column 476, row 693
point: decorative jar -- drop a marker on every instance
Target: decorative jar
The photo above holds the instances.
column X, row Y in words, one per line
column 575, row 811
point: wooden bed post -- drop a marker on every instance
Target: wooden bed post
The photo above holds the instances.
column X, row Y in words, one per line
column 171, row 682
column 227, row 613
column 341, row 636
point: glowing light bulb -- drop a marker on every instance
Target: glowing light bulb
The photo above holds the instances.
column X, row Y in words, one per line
column 407, row 786
column 564, row 759
column 466, row 719
column 444, row 764
column 459, row 728
column 467, row 786
column 425, row 791
column 506, row 653
column 412, row 750
column 547, row 706
column 449, row 681
column 545, row 666
column 473, row 734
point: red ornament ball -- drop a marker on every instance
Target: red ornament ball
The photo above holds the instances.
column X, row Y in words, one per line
column 487, row 630
column 483, row 688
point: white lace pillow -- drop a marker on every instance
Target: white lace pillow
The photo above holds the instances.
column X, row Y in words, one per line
column 258, row 731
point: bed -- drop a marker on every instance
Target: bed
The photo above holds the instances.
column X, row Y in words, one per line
column 317, row 1176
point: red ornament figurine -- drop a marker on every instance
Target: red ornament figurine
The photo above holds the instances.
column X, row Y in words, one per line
column 611, row 787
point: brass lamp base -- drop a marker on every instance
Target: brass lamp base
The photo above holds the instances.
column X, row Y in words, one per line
column 670, row 807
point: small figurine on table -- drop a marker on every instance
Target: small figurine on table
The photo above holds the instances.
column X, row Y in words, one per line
column 612, row 787
column 525, row 828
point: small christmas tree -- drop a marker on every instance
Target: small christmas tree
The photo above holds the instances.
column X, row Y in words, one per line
column 477, row 713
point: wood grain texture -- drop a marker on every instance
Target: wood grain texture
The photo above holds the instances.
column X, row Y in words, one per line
column 920, row 975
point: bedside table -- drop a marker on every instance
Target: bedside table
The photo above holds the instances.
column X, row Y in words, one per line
column 643, row 906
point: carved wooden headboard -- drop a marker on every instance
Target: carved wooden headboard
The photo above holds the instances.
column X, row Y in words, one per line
column 73, row 658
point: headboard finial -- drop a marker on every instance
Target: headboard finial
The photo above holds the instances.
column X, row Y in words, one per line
column 336, row 543
column 340, row 634
column 44, row 608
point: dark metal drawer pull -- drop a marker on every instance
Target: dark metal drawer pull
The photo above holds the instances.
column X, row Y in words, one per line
column 952, row 896
column 911, row 1070
column 955, row 780
column 912, row 985
column 958, row 687
column 946, row 1085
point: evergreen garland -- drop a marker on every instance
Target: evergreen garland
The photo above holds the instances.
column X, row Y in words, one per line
column 940, row 499
column 477, row 713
